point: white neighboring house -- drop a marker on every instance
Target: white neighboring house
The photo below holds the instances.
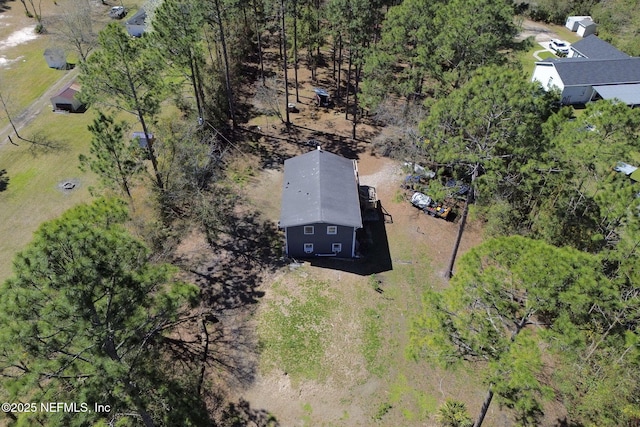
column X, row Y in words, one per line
column 581, row 80
column 136, row 24
column 594, row 69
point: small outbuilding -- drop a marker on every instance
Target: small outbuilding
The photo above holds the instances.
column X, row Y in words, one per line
column 67, row 100
column 625, row 168
column 574, row 21
column 586, row 28
column 56, row 58
column 142, row 139
column 136, row 24
column 322, row 97
column 320, row 210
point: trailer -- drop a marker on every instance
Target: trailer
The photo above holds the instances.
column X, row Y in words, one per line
column 427, row 205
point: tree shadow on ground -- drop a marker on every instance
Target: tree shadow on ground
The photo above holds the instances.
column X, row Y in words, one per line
column 39, row 144
column 223, row 344
column 229, row 276
column 241, row 414
column 4, row 6
column 272, row 154
column 249, row 248
column 4, row 180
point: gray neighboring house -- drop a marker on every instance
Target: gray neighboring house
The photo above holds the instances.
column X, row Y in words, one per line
column 135, row 25
column 586, row 28
column 573, row 22
column 320, row 211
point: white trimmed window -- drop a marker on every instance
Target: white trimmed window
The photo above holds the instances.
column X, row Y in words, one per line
column 308, row 229
column 336, row 247
column 332, row 229
column 308, row 248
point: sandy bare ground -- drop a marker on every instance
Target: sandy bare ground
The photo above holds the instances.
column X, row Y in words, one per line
column 539, row 31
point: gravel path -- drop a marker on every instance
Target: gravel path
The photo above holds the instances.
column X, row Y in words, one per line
column 390, row 172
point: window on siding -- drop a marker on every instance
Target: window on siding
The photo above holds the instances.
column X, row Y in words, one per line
column 308, row 248
column 336, row 247
column 332, row 229
column 308, row 229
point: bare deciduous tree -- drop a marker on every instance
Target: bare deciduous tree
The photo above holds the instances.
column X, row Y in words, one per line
column 76, row 29
column 267, row 98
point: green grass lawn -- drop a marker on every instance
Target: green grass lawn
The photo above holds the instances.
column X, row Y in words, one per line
column 24, row 87
column 32, row 195
column 546, row 54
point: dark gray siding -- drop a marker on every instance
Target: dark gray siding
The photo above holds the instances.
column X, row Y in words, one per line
column 322, row 242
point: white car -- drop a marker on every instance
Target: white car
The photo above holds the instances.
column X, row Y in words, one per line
column 559, row 46
column 117, row 12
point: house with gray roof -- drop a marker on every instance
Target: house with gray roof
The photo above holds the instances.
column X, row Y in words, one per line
column 594, row 47
column 581, row 80
column 320, row 210
column 136, row 24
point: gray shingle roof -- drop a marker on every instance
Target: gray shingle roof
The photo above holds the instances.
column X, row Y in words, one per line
column 138, row 18
column 320, row 187
column 596, row 48
column 586, row 71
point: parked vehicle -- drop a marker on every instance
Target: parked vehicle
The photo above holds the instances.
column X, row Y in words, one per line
column 559, row 46
column 117, row 12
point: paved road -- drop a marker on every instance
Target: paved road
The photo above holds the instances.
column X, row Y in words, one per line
column 32, row 111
